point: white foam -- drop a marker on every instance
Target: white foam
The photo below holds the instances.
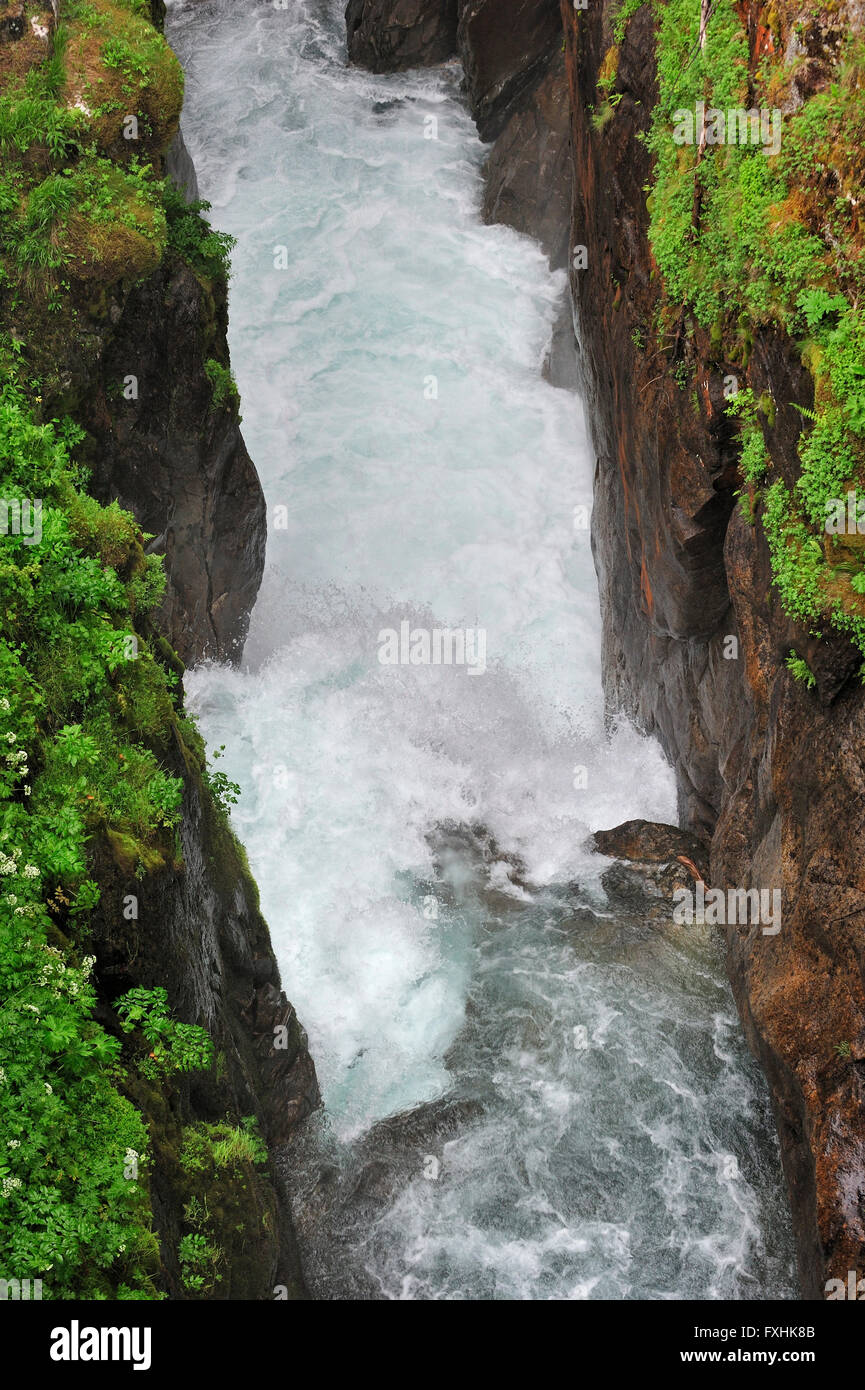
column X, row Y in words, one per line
column 447, row 512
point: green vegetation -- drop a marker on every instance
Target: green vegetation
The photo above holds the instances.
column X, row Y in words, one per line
column 225, row 1226
column 625, row 12
column 84, row 710
column 200, row 1264
column 91, row 734
column 222, row 1146
column 801, row 671
column 745, row 238
column 193, row 239
column 225, row 793
column 116, row 65
column 80, row 120
column 755, row 455
column 225, row 390
column 173, row 1047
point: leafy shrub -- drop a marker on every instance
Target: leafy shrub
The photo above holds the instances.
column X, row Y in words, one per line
column 199, row 1264
column 192, row 238
column 800, row 670
column 76, row 681
column 174, row 1047
column 222, row 382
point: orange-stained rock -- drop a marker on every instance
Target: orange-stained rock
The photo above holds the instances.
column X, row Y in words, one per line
column 773, row 772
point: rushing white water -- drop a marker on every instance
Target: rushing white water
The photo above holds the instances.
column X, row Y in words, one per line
column 388, row 349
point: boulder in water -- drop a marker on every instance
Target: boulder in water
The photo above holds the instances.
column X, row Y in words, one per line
column 653, row 861
column 391, row 35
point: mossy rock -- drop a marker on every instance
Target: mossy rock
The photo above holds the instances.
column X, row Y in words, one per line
column 23, row 43
column 118, row 66
column 108, row 532
column 229, row 1202
column 128, row 244
column 128, row 853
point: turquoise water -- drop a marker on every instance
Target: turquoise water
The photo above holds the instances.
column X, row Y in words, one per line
column 616, row 1140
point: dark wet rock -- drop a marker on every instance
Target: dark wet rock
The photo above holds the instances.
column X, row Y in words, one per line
column 646, row 890
column 421, row 1128
column 469, row 864
column 562, row 366
column 344, row 1189
column 399, row 1147
column 506, row 47
column 391, row 35
column 175, row 458
column 285, row 1065
column 528, row 174
column 180, row 168
column 517, row 89
column 652, row 842
column 765, row 767
column 473, row 844
column 658, row 861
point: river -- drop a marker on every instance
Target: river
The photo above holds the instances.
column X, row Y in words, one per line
column 584, row 1119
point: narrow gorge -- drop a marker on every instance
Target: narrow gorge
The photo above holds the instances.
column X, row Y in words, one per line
column 512, row 366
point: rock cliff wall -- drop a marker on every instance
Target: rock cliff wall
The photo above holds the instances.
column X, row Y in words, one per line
column 113, row 317
column 772, row 771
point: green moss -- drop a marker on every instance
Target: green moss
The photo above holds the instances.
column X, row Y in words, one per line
column 132, row 857
column 116, row 66
column 747, row 238
column 225, row 392
column 229, row 1211
column 90, row 699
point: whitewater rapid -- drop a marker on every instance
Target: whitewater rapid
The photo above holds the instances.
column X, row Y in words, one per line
column 417, row 467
